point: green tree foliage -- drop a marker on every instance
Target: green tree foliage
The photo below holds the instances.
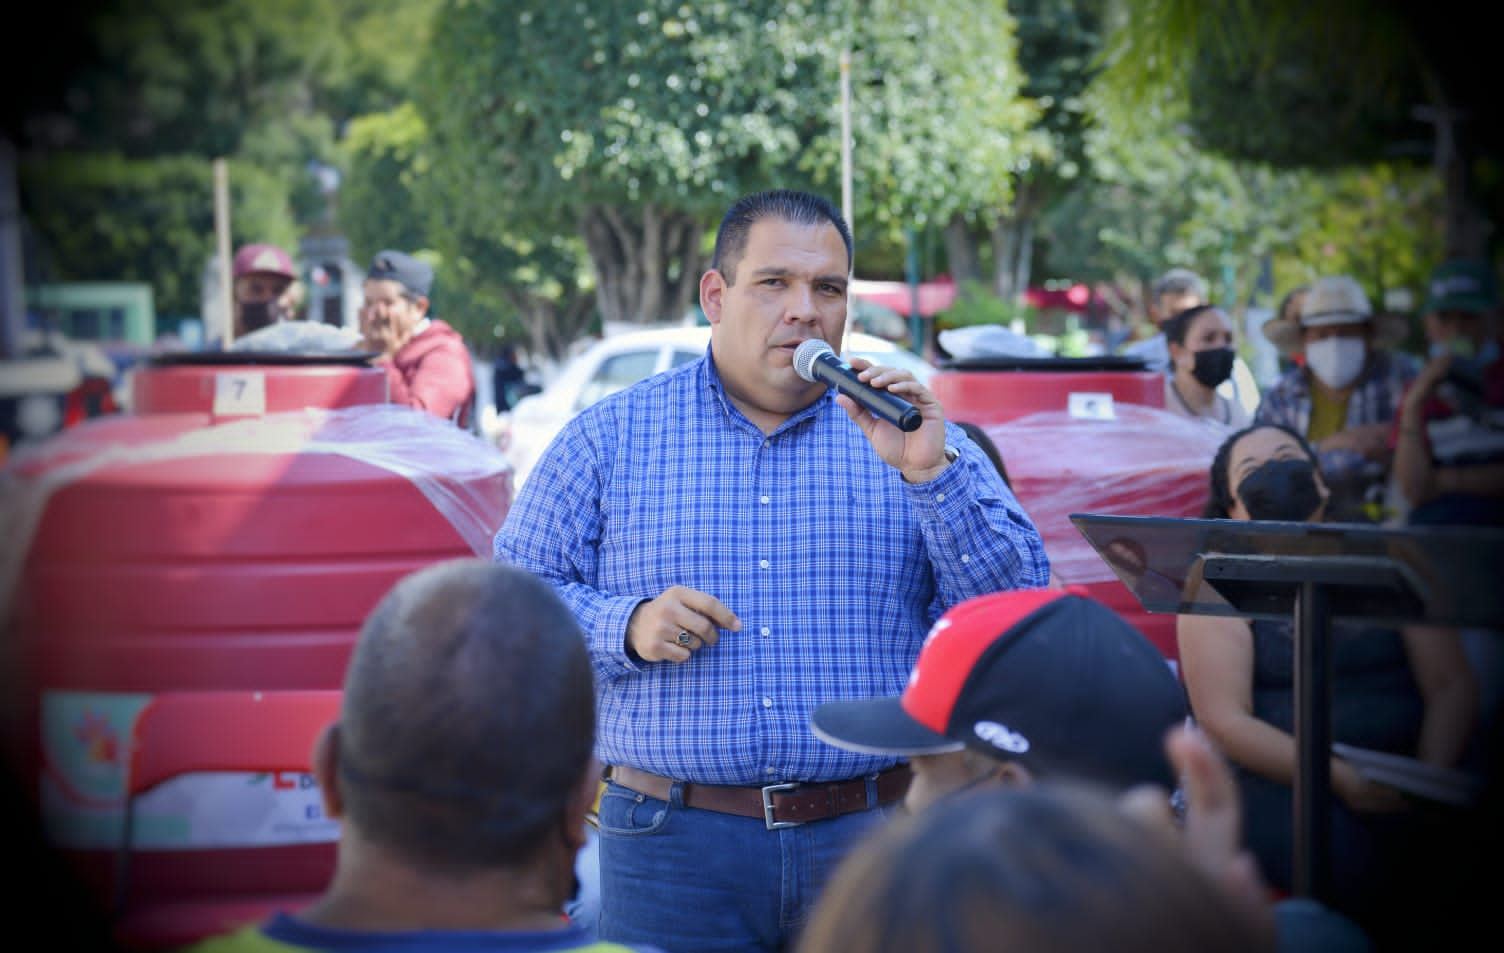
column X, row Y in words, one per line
column 158, row 87
column 1058, row 42
column 1156, row 200
column 490, row 285
column 1380, row 224
column 381, row 43
column 197, row 76
column 108, row 218
column 1340, row 84
column 633, row 126
column 381, row 153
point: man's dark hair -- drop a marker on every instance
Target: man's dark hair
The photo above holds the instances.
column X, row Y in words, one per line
column 1219, row 502
column 468, row 717
column 800, row 208
column 1178, row 325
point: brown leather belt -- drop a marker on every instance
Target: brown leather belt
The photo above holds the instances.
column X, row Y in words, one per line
column 777, row 805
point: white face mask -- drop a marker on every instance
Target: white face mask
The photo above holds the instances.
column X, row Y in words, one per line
column 1337, row 361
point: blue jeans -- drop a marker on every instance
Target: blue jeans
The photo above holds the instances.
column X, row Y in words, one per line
column 694, row 881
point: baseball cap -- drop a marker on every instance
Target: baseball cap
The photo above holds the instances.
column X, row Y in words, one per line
column 1050, row 678
column 407, row 271
column 1462, row 285
column 264, row 259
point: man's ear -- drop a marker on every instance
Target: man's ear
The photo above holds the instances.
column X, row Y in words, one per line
column 1012, row 774
column 326, row 770
column 422, row 305
column 580, row 803
column 712, row 294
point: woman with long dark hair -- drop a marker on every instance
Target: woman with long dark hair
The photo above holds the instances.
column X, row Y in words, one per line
column 1391, row 692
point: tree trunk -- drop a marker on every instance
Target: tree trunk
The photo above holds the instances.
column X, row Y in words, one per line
column 1464, row 227
column 1013, row 242
column 1023, row 265
column 1005, row 238
column 961, row 252
column 552, row 326
column 1466, row 233
column 646, row 264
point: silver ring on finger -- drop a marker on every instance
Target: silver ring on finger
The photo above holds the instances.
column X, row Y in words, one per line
column 684, row 639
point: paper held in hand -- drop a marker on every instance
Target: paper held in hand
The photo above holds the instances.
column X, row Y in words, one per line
column 1444, row 785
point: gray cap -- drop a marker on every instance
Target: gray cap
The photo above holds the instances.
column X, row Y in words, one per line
column 407, row 271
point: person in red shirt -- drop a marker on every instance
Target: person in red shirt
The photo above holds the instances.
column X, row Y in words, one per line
column 1448, row 444
column 1448, row 437
column 427, row 362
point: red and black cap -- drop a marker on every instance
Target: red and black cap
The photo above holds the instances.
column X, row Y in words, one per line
column 1050, row 678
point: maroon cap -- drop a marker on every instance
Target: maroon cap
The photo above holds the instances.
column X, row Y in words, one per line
column 263, row 259
column 1053, row 679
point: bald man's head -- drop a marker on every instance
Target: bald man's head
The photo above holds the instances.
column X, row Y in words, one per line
column 468, row 716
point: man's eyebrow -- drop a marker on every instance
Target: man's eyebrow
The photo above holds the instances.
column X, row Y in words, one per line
column 775, row 271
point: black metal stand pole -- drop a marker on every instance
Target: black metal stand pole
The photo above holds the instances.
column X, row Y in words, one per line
column 1313, row 744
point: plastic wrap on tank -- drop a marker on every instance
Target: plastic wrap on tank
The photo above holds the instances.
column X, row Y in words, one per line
column 448, row 465
column 1143, row 462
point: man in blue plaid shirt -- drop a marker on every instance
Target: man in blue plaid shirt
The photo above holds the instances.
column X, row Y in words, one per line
column 740, row 545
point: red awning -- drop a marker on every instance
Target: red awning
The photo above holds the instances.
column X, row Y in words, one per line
column 1074, row 298
column 940, row 293
column 934, row 296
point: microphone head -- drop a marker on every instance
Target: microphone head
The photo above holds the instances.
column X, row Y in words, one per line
column 805, row 356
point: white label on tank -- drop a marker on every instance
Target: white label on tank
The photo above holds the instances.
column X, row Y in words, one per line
column 1090, row 406
column 86, row 743
column 239, row 393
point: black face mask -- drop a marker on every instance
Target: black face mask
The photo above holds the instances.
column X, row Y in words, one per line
column 255, row 315
column 1214, row 365
column 1281, row 490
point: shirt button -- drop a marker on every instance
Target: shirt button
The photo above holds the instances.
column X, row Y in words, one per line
column 763, row 564
column 770, row 770
column 939, row 497
column 764, row 500
column 767, row 703
column 766, row 631
column 965, row 558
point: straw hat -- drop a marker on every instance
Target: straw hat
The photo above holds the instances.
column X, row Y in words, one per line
column 1335, row 300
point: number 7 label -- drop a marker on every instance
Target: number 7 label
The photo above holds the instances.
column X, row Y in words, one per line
column 239, row 394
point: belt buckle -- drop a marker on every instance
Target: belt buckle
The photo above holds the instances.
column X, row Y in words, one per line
column 768, row 791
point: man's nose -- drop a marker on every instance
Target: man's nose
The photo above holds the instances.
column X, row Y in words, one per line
column 800, row 303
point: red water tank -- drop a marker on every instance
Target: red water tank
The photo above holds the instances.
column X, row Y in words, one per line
column 1087, row 435
column 185, row 549
column 991, row 390
column 229, row 384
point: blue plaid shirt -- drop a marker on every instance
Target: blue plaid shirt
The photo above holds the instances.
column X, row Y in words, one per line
column 1375, row 399
column 835, row 566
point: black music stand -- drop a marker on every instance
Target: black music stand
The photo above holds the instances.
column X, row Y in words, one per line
column 1313, row 573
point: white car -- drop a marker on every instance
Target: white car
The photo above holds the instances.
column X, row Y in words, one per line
column 619, row 361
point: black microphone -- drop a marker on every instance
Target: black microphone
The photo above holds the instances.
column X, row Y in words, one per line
column 814, row 360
